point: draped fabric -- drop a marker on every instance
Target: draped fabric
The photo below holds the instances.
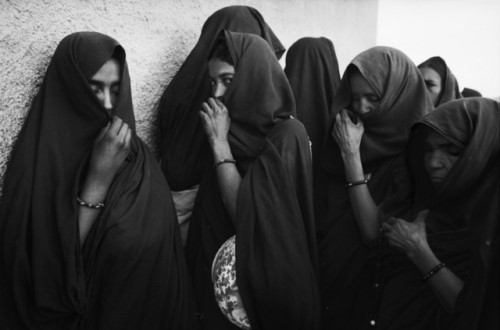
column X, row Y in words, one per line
column 275, row 241
column 312, row 70
column 469, row 92
column 343, row 256
column 131, row 272
column 184, row 150
column 462, row 226
column 449, row 84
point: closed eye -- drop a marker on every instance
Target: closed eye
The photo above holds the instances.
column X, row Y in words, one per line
column 96, row 88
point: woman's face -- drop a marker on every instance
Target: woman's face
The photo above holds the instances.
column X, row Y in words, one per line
column 221, row 75
column 363, row 97
column 433, row 82
column 439, row 157
column 106, row 83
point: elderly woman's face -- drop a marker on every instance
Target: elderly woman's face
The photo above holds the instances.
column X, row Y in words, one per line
column 433, row 82
column 105, row 83
column 221, row 75
column 439, row 157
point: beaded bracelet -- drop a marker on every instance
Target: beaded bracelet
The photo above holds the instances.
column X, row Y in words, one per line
column 96, row 206
column 433, row 271
column 357, row 183
column 222, row 161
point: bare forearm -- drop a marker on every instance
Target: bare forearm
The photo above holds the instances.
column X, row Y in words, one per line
column 445, row 284
column 364, row 208
column 228, row 177
column 94, row 191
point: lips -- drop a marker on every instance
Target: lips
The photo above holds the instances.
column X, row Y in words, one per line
column 435, row 178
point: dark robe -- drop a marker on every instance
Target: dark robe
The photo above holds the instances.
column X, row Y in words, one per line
column 312, row 70
column 184, row 149
column 462, row 225
column 343, row 257
column 449, row 84
column 275, row 241
column 131, row 272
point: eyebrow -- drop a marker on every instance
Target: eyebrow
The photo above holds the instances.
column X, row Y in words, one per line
column 100, row 83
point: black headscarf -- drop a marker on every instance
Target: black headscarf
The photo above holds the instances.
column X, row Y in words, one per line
column 462, row 224
column 449, row 84
column 403, row 101
column 275, row 244
column 184, row 150
column 313, row 73
column 130, row 273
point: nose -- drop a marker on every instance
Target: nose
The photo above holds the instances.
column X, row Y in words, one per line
column 364, row 106
column 107, row 101
column 434, row 160
column 219, row 90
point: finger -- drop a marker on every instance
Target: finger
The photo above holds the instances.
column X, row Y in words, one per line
column 359, row 122
column 206, row 108
column 213, row 104
column 345, row 115
column 128, row 138
column 386, row 227
column 338, row 120
column 220, row 103
column 116, row 124
column 103, row 131
column 204, row 118
column 392, row 221
column 422, row 216
column 122, row 132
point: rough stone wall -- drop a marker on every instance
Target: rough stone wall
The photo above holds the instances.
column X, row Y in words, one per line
column 157, row 36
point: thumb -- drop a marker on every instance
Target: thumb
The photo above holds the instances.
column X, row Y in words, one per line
column 422, row 216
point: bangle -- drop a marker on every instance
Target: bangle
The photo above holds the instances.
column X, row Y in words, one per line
column 96, row 206
column 357, row 183
column 433, row 271
column 222, row 161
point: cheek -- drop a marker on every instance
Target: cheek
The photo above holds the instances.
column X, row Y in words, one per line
column 355, row 106
column 427, row 161
column 450, row 161
column 435, row 90
column 113, row 98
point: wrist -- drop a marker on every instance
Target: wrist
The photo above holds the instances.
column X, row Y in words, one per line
column 353, row 167
column 422, row 256
column 221, row 150
column 96, row 187
column 349, row 154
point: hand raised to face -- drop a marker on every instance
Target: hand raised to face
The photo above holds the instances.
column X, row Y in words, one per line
column 111, row 147
column 216, row 121
column 347, row 134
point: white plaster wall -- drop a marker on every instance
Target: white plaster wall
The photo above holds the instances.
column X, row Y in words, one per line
column 157, row 36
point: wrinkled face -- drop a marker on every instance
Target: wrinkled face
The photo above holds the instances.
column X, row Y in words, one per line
column 433, row 82
column 220, row 75
column 439, row 157
column 363, row 97
column 105, row 83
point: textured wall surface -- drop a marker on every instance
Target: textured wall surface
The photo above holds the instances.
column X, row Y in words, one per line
column 157, row 36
